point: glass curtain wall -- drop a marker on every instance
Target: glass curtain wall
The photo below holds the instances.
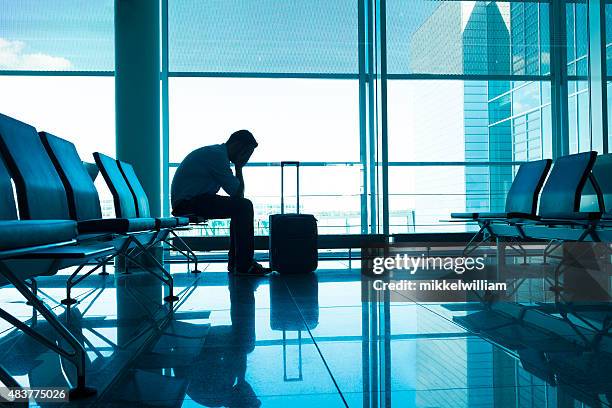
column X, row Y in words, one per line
column 469, row 99
column 401, row 112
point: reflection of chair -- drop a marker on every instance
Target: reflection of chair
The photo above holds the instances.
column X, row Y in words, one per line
column 547, row 352
column 294, row 307
column 9, row 382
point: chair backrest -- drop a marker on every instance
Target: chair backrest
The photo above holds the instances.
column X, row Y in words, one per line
column 92, row 170
column 140, row 196
column 523, row 195
column 563, row 188
column 40, row 191
column 8, row 211
column 590, row 200
column 125, row 206
column 602, row 181
column 83, row 198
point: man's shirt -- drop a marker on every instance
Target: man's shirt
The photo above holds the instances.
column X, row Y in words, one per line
column 204, row 171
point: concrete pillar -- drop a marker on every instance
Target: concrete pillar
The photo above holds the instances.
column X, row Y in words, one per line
column 137, row 92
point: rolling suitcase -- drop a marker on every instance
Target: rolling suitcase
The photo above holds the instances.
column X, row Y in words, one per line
column 293, row 237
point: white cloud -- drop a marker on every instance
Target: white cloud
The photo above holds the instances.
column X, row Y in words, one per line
column 13, row 57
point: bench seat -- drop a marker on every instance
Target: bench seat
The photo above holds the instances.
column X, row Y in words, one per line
column 15, row 234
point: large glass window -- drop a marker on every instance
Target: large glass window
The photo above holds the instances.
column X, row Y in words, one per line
column 287, row 71
column 578, row 106
column 76, row 101
column 80, row 109
column 311, row 120
column 609, row 65
column 473, row 132
column 314, row 121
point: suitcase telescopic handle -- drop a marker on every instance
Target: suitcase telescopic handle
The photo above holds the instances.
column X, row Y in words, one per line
column 297, row 166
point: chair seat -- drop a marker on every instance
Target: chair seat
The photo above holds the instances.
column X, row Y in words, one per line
column 17, row 234
column 507, row 215
column 166, row 222
column 465, row 216
column 492, row 215
column 193, row 218
column 574, row 216
column 116, row 225
column 182, row 221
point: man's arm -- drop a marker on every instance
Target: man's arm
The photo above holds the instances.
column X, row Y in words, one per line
column 231, row 184
column 240, row 192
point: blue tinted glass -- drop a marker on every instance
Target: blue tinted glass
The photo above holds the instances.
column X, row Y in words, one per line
column 448, row 120
column 577, row 38
column 52, row 35
column 609, row 38
column 466, row 37
column 313, row 36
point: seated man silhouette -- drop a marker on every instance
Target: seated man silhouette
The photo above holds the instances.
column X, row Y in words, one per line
column 194, row 190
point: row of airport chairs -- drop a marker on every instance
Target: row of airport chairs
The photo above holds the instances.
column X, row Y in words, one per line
column 57, row 223
column 568, row 201
column 567, row 342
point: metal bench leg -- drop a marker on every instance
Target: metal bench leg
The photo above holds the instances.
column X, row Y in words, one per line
column 33, row 288
column 71, row 282
column 166, row 276
column 104, row 271
column 194, row 257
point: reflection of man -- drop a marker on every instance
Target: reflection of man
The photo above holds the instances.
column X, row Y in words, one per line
column 194, row 190
column 218, row 376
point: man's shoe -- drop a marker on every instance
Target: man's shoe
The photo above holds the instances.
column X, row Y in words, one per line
column 268, row 270
column 256, row 269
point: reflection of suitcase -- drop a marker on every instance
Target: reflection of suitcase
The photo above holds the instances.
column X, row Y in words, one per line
column 293, row 237
column 294, row 307
column 302, row 289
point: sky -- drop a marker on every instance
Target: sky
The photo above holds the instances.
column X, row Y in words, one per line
column 57, row 35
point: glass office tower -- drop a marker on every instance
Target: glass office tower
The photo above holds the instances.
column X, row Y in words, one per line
column 501, row 121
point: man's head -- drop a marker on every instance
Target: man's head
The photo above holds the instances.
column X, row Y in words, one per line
column 240, row 147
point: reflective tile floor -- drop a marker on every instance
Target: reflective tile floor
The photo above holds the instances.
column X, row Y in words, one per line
column 295, row 341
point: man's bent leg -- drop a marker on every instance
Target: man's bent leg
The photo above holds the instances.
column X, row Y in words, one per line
column 231, row 254
column 243, row 234
column 240, row 211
